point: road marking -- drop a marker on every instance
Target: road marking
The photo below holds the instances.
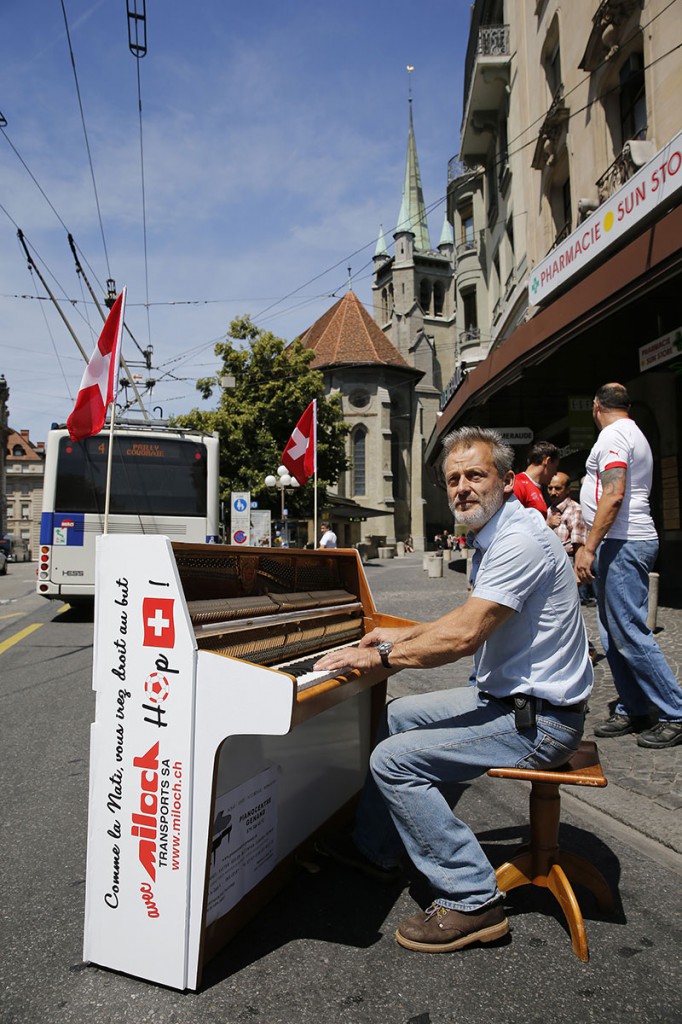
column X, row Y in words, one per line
column 11, row 615
column 6, row 644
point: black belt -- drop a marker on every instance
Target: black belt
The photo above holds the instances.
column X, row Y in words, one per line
column 525, row 707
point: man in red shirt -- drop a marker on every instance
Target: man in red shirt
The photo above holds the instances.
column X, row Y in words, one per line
column 543, row 462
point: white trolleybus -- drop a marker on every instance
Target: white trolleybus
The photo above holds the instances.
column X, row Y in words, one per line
column 164, row 480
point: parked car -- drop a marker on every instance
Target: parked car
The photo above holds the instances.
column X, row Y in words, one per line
column 3, row 562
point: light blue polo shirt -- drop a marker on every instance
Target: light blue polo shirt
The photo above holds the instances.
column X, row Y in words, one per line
column 541, row 650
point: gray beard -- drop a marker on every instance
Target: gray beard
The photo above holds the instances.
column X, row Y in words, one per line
column 477, row 517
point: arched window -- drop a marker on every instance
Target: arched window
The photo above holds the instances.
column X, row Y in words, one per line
column 359, row 445
column 17, row 451
column 425, row 295
column 438, row 298
column 384, row 305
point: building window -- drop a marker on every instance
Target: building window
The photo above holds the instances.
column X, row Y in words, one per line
column 468, row 227
column 438, row 298
column 553, row 68
column 25, row 511
column 469, row 306
column 503, row 154
column 425, row 295
column 632, row 99
column 359, row 461
column 359, row 398
column 491, row 182
column 17, row 451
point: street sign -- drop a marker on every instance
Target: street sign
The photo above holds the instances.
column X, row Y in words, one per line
column 515, row 435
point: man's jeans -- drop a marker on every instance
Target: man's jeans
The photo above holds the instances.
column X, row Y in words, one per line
column 640, row 672
column 444, row 737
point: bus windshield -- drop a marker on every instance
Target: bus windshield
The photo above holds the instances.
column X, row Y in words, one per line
column 149, row 477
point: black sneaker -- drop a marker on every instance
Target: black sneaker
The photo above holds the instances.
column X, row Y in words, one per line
column 621, row 725
column 343, row 850
column 663, row 734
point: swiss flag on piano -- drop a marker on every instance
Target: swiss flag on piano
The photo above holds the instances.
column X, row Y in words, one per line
column 300, row 454
column 100, row 380
column 158, row 622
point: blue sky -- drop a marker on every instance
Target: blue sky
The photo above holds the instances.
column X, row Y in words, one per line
column 274, row 142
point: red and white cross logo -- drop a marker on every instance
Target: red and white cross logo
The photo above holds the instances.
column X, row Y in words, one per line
column 157, row 619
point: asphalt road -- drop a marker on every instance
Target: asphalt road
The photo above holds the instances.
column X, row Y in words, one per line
column 323, row 951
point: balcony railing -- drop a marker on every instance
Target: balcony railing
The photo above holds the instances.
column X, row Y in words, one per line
column 466, row 248
column 489, row 41
column 554, row 123
column 470, row 336
column 634, row 155
column 564, row 233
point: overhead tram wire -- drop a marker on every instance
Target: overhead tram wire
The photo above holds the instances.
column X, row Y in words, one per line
column 137, row 44
column 3, row 125
column 87, row 141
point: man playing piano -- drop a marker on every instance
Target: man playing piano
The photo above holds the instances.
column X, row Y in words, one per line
column 522, row 622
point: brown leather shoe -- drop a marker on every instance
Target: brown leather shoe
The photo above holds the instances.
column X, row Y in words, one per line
column 439, row 930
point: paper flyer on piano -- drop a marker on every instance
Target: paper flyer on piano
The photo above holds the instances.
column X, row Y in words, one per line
column 244, row 841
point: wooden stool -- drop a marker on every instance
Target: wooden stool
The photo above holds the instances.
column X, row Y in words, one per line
column 542, row 863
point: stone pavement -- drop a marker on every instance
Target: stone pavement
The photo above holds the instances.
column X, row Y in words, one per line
column 645, row 786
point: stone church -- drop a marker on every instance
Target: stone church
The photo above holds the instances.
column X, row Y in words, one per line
column 390, row 372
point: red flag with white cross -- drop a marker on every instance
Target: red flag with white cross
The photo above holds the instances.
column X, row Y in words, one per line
column 300, row 454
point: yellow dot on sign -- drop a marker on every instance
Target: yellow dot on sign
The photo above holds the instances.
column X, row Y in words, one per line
column 608, row 221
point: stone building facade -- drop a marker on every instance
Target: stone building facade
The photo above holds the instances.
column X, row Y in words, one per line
column 25, row 468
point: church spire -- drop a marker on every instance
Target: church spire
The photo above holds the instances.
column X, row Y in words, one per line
column 412, row 216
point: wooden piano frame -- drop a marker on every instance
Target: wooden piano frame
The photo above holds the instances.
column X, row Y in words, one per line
column 187, row 740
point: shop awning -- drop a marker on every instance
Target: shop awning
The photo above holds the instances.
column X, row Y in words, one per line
column 345, row 508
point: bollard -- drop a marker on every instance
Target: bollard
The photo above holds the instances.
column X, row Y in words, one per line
column 400, row 548
column 652, row 611
column 435, row 567
column 425, row 560
column 447, row 554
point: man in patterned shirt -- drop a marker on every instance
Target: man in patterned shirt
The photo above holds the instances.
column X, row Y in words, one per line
column 564, row 515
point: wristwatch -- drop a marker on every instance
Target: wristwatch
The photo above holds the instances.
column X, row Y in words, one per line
column 384, row 649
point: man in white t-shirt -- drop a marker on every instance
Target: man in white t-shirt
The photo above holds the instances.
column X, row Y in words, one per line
column 617, row 557
column 328, row 538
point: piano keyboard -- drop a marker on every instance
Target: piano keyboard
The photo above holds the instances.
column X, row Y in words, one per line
column 301, row 668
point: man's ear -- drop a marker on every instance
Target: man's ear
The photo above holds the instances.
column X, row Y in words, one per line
column 508, row 481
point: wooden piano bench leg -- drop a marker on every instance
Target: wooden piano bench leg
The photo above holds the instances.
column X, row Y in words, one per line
column 543, row 863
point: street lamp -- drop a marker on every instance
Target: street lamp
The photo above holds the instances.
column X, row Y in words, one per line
column 283, row 482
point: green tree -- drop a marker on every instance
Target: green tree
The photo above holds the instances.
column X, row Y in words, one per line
column 274, row 383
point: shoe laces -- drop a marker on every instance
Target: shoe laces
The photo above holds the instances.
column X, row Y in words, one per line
column 435, row 910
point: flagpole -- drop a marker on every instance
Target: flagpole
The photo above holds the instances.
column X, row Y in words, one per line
column 110, row 459
column 315, row 476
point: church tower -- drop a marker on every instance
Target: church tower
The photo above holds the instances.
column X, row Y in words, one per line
column 414, row 290
column 414, row 304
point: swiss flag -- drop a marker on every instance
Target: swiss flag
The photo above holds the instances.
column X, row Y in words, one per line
column 300, row 454
column 157, row 619
column 100, row 380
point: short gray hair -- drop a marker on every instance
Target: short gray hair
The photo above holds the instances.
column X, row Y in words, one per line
column 501, row 453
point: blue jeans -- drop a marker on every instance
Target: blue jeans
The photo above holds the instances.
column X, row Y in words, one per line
column 444, row 737
column 640, row 672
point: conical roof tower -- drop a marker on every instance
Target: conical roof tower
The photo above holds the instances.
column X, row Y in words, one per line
column 412, row 216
